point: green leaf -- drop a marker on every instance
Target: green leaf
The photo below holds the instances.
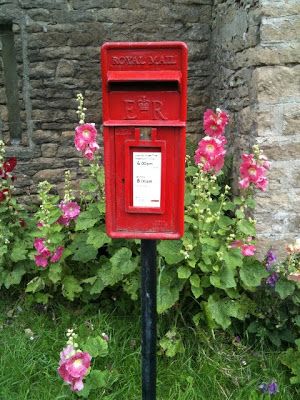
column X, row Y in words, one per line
column 122, row 260
column 97, row 379
column 169, row 287
column 246, row 227
column 70, row 287
column 252, row 273
column 232, row 257
column 35, row 285
column 183, row 272
column 170, row 250
column 54, row 272
column 227, row 277
column 85, row 253
column 97, row 286
column 87, row 219
column 97, row 238
column 195, row 280
column 14, row 277
column 217, row 311
column 19, row 252
column 284, row 288
column 197, row 291
column 96, row 346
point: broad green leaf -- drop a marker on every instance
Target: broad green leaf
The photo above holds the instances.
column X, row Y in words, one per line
column 218, row 311
column 232, row 257
column 85, row 253
column 97, row 379
column 195, row 280
column 19, row 252
column 246, row 227
column 284, row 288
column 96, row 346
column 183, row 272
column 35, row 285
column 252, row 273
column 97, row 286
column 14, row 277
column 87, row 219
column 97, row 238
column 122, row 260
column 227, row 277
column 168, row 289
column 224, row 221
column 70, row 287
column 170, row 250
column 197, row 291
column 54, row 272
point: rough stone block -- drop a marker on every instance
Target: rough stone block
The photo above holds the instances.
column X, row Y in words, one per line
column 291, row 120
column 282, row 29
column 49, row 149
column 276, row 84
column 51, row 175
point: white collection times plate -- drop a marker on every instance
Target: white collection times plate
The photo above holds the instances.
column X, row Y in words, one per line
column 146, row 179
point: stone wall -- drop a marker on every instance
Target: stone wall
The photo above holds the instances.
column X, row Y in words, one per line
column 255, row 51
column 57, row 53
column 243, row 56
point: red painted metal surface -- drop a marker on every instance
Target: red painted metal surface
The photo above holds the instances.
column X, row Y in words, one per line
column 144, row 88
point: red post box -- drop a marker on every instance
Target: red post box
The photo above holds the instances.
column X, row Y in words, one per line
column 144, row 119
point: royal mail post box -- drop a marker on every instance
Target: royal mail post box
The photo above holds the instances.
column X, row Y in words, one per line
column 144, row 120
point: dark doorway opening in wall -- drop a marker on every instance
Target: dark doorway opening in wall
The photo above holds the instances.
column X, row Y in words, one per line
column 9, row 79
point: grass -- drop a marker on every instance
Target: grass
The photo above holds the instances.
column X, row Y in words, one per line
column 209, row 369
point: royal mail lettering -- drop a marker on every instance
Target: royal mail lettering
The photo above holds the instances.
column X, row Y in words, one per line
column 144, row 60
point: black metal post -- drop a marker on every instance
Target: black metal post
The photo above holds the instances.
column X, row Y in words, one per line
column 148, row 296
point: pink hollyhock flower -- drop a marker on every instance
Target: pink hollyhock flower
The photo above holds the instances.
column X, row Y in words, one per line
column 74, row 367
column 88, row 153
column 215, row 122
column 41, row 261
column 94, row 146
column 210, row 153
column 211, row 147
column 66, row 353
column 248, row 249
column 84, row 135
column 244, row 183
column 39, row 244
column 78, row 365
column 40, row 224
column 262, row 184
column 57, row 254
column 62, row 220
column 70, row 210
column 252, row 172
